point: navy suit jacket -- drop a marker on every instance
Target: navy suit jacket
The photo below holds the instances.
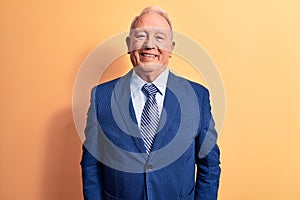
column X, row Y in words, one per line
column 114, row 162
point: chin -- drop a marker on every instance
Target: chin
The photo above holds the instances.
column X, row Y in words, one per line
column 148, row 67
column 151, row 65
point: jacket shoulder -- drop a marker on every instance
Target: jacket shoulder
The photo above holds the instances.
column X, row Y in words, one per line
column 197, row 87
column 104, row 87
column 107, row 84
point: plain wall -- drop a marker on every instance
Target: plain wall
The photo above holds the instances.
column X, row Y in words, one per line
column 255, row 45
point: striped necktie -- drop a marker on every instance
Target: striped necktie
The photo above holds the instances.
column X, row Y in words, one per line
column 150, row 116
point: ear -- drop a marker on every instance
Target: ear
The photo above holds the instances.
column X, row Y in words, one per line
column 128, row 40
column 172, row 47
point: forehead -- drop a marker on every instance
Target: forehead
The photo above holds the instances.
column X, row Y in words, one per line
column 152, row 20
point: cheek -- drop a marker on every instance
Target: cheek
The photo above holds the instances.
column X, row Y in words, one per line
column 164, row 46
column 165, row 54
column 134, row 57
column 136, row 45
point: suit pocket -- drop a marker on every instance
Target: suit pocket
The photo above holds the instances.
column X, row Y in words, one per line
column 191, row 196
column 107, row 196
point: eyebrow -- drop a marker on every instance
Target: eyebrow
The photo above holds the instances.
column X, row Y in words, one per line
column 157, row 31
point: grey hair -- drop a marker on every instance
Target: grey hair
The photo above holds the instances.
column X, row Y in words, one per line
column 155, row 9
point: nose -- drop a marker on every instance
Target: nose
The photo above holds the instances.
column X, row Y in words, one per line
column 149, row 43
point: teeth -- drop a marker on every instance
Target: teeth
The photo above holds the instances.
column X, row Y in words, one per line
column 147, row 55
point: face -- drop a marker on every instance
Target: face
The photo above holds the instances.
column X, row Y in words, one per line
column 150, row 45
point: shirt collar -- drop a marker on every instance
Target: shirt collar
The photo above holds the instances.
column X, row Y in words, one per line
column 136, row 83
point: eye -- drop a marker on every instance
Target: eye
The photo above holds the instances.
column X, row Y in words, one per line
column 141, row 35
column 160, row 38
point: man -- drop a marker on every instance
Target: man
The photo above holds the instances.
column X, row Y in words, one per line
column 146, row 131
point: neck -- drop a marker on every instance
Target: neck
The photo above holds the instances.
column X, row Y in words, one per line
column 149, row 77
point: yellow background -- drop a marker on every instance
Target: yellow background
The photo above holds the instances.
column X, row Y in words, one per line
column 255, row 45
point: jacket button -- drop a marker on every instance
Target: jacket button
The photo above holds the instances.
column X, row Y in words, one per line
column 150, row 167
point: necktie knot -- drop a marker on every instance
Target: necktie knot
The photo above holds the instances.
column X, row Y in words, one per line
column 150, row 89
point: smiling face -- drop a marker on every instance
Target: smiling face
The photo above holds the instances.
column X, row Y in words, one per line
column 150, row 45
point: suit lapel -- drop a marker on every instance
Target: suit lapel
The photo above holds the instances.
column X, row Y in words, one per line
column 171, row 106
column 125, row 113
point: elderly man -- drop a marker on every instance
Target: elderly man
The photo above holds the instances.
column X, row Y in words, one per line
column 147, row 131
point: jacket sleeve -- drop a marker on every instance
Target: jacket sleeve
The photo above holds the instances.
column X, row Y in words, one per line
column 91, row 167
column 207, row 155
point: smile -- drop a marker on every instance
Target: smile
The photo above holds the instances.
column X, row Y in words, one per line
column 148, row 55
